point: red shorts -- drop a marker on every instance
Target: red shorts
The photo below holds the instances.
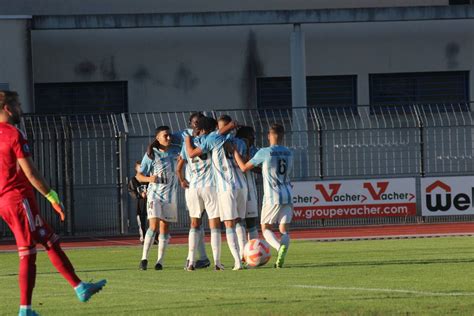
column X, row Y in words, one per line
column 21, row 213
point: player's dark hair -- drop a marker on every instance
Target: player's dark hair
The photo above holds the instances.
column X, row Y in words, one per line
column 195, row 114
column 208, row 124
column 245, row 132
column 277, row 129
column 225, row 118
column 8, row 97
column 155, row 143
column 138, row 162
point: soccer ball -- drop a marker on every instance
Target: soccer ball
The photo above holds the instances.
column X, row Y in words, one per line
column 256, row 252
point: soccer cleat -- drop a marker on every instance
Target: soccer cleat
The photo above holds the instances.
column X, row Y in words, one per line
column 86, row 290
column 219, row 267
column 201, row 264
column 27, row 312
column 189, row 266
column 281, row 256
column 158, row 266
column 143, row 265
column 237, row 267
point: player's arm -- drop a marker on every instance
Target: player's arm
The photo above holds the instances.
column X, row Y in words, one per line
column 190, row 149
column 132, row 189
column 144, row 178
column 244, row 166
column 39, row 183
column 227, row 128
column 180, row 173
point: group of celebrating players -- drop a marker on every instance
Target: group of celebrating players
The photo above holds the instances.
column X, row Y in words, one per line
column 217, row 171
column 213, row 166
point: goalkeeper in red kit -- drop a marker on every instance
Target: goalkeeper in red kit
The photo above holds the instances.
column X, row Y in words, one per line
column 18, row 208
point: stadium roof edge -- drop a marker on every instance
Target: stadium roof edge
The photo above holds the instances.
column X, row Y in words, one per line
column 15, row 17
column 234, row 18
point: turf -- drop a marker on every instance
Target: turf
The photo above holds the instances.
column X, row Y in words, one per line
column 382, row 277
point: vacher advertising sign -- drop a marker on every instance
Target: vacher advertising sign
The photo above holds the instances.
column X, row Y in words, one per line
column 447, row 196
column 354, row 198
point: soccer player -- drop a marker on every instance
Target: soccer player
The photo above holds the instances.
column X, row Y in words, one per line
column 137, row 190
column 277, row 208
column 231, row 186
column 178, row 140
column 200, row 193
column 247, row 134
column 158, row 167
column 18, row 208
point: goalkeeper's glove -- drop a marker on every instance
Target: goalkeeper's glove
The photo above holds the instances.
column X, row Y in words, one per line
column 58, row 206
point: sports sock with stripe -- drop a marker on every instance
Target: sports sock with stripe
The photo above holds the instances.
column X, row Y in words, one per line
column 241, row 237
column 192, row 243
column 163, row 240
column 231, row 237
column 216, row 244
column 149, row 239
column 271, row 239
column 202, row 244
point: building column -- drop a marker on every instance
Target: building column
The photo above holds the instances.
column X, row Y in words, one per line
column 299, row 137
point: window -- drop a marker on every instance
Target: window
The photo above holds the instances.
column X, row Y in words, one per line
column 275, row 93
column 4, row 86
column 81, row 97
column 428, row 88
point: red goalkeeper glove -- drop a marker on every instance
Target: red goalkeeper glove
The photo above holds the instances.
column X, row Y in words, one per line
column 58, row 206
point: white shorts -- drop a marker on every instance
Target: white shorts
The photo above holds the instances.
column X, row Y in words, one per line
column 276, row 213
column 252, row 209
column 164, row 211
column 200, row 199
column 232, row 204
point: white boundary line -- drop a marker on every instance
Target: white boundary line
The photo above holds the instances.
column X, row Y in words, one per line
column 322, row 287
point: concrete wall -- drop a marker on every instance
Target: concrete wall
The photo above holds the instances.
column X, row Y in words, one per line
column 46, row 7
column 202, row 68
column 15, row 60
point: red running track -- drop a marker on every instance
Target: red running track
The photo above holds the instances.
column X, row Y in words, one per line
column 319, row 234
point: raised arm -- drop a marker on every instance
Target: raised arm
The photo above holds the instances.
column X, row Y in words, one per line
column 190, row 149
column 244, row 166
column 227, row 128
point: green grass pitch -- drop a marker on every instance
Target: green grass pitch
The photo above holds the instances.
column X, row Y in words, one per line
column 380, row 277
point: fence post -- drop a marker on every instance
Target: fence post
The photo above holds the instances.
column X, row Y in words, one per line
column 68, row 179
column 422, row 140
column 122, row 164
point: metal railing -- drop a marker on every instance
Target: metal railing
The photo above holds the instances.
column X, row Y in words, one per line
column 89, row 158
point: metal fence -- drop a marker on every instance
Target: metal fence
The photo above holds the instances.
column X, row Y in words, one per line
column 89, row 158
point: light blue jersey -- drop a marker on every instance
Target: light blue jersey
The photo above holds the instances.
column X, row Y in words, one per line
column 164, row 167
column 200, row 168
column 277, row 163
column 227, row 174
column 177, row 139
column 250, row 176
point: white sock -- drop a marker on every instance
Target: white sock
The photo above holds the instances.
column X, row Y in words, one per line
column 216, row 243
column 202, row 244
column 253, row 233
column 241, row 237
column 271, row 239
column 149, row 238
column 231, row 237
column 163, row 240
column 285, row 239
column 140, row 231
column 192, row 242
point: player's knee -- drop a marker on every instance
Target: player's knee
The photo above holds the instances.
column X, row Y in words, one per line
column 28, row 254
column 48, row 240
column 195, row 223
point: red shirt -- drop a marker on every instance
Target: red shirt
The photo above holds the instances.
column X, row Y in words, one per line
column 13, row 145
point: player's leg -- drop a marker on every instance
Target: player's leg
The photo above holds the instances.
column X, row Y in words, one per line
column 153, row 228
column 268, row 218
column 284, row 218
column 240, row 228
column 163, row 240
column 216, row 242
column 193, row 240
column 252, row 229
column 14, row 215
column 203, row 261
column 228, row 214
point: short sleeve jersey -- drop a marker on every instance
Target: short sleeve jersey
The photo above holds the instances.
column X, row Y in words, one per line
column 201, row 173
column 13, row 146
column 164, row 167
column 227, row 174
column 277, row 163
column 250, row 176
